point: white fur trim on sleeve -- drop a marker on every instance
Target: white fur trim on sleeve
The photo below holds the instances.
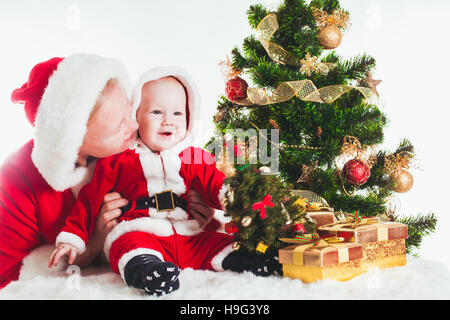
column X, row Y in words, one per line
column 216, row 262
column 73, row 239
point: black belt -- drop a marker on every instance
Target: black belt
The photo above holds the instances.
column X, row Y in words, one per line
column 164, row 201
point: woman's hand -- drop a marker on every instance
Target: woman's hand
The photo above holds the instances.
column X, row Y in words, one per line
column 62, row 250
column 109, row 214
column 106, row 220
column 199, row 209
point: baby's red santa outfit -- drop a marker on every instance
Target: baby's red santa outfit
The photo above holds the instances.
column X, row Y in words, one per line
column 141, row 175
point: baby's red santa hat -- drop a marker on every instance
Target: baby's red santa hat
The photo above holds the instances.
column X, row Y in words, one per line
column 59, row 96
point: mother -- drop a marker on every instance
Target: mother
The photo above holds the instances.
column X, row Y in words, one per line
column 80, row 109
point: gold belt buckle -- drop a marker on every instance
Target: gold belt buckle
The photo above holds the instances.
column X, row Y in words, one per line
column 164, row 201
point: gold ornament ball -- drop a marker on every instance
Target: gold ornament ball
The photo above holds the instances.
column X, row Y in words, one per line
column 246, row 221
column 330, row 37
column 404, row 182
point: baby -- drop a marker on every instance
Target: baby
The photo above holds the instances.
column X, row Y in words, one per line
column 155, row 235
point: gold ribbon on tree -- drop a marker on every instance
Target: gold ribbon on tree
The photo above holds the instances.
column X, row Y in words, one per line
column 394, row 163
column 303, row 89
column 351, row 146
column 265, row 30
column 338, row 18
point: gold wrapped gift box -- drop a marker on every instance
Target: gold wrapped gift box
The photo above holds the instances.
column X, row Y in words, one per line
column 383, row 254
column 337, row 261
column 383, row 243
column 366, row 246
column 364, row 233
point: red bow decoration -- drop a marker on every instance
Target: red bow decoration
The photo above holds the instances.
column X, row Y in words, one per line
column 313, row 238
column 262, row 205
column 357, row 216
column 299, row 227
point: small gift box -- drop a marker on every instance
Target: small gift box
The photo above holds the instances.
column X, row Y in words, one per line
column 364, row 233
column 383, row 242
column 313, row 258
column 322, row 217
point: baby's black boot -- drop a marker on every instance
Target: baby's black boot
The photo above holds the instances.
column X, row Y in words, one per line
column 148, row 273
column 258, row 264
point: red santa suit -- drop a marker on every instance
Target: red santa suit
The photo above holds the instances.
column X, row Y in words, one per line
column 141, row 173
column 39, row 182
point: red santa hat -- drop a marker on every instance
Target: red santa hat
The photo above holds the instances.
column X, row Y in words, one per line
column 59, row 96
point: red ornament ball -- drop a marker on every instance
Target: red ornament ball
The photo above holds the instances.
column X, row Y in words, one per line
column 236, row 89
column 231, row 228
column 356, row 172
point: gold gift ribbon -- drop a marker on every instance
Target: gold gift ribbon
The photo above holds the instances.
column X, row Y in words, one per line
column 303, row 89
column 382, row 233
column 382, row 230
column 343, row 255
column 350, row 221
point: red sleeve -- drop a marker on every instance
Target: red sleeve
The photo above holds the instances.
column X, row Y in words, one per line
column 206, row 179
column 19, row 228
column 80, row 223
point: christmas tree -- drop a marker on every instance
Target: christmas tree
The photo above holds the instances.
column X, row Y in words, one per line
column 325, row 109
column 263, row 210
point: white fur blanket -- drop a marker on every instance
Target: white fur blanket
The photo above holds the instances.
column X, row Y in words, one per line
column 419, row 279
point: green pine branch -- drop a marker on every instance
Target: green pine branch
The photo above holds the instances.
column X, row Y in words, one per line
column 418, row 227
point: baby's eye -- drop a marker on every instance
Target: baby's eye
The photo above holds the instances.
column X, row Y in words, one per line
column 156, row 112
column 178, row 113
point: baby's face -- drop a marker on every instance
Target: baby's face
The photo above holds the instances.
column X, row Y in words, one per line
column 162, row 114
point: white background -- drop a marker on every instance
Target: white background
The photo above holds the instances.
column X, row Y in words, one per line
column 409, row 40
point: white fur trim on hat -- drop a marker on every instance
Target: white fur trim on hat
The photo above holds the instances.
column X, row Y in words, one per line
column 193, row 99
column 71, row 238
column 61, row 119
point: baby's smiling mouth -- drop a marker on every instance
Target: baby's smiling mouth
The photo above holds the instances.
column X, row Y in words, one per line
column 166, row 133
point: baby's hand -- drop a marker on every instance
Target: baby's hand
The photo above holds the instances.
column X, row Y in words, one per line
column 61, row 250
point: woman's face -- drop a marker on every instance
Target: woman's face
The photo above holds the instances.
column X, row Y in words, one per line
column 111, row 130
